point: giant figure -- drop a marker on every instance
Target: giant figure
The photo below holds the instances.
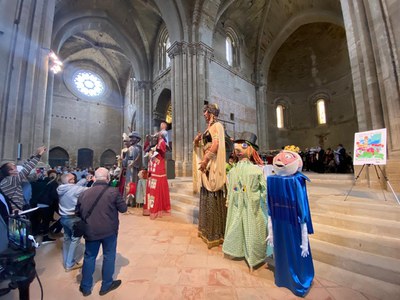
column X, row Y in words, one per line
column 209, row 177
column 291, row 223
column 245, row 233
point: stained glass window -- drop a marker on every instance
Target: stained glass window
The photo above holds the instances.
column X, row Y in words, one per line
column 89, row 83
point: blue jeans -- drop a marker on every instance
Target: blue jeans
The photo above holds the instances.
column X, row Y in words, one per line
column 109, row 246
column 71, row 244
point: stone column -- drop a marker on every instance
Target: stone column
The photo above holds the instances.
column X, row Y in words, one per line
column 262, row 117
column 143, row 95
column 375, row 68
column 189, row 73
column 24, row 112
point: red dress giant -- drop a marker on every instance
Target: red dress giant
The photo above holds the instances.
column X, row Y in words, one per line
column 157, row 191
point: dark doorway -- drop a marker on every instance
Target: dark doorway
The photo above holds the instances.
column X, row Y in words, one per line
column 108, row 158
column 58, row 157
column 85, row 158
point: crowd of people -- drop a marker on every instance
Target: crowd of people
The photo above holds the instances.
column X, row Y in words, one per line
column 319, row 160
column 63, row 196
column 233, row 210
column 327, row 161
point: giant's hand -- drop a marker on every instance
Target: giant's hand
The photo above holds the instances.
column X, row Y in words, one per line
column 203, row 165
column 304, row 241
column 270, row 237
column 197, row 138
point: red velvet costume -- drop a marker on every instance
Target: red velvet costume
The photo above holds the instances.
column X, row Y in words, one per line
column 157, row 191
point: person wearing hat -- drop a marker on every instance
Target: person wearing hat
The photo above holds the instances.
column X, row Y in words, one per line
column 209, row 177
column 246, row 223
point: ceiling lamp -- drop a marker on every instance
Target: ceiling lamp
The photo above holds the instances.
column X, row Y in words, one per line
column 55, row 63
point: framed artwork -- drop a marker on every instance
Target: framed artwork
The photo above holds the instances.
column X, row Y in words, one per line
column 370, row 147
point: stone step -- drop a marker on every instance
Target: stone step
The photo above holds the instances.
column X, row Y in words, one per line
column 333, row 178
column 370, row 243
column 190, row 211
column 375, row 266
column 375, row 288
column 183, row 217
column 181, row 189
column 185, row 198
column 386, row 211
column 369, row 225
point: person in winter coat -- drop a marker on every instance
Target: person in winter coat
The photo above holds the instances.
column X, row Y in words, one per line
column 68, row 193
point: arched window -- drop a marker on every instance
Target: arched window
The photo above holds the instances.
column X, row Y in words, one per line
column 232, row 48
column 229, row 50
column 321, row 113
column 164, row 43
column 167, row 59
column 280, row 121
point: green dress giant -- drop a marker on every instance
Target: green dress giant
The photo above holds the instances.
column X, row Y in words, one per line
column 246, row 224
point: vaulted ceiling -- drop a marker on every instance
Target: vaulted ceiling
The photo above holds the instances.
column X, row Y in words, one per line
column 120, row 35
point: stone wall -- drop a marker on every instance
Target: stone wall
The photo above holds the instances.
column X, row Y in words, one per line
column 234, row 95
column 80, row 123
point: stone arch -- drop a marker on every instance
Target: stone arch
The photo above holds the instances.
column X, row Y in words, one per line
column 107, row 158
column 58, row 157
column 206, row 13
column 74, row 23
column 163, row 108
column 174, row 18
column 290, row 27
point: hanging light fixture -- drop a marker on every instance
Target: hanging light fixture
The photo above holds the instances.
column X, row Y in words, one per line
column 55, row 63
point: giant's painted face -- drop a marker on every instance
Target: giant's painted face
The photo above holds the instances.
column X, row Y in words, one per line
column 242, row 150
column 287, row 163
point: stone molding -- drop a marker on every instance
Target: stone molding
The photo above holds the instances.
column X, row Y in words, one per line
column 181, row 48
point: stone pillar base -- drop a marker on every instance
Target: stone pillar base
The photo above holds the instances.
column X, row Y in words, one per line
column 183, row 169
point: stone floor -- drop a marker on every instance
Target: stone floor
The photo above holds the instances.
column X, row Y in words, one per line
column 164, row 259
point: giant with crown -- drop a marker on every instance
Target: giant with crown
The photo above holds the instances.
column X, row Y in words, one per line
column 289, row 223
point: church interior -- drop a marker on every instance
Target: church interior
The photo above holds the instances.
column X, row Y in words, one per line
column 311, row 73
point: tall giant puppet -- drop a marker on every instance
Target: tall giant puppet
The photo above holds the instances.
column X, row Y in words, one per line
column 246, row 222
column 289, row 223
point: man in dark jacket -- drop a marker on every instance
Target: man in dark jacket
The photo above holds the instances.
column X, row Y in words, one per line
column 101, row 229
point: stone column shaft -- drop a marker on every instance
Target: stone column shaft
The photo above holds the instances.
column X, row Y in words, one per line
column 189, row 90
column 144, row 108
column 24, row 103
column 262, row 117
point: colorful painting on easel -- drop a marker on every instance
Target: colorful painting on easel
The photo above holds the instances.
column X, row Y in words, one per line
column 370, row 147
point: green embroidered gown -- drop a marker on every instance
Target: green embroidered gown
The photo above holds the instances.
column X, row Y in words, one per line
column 246, row 224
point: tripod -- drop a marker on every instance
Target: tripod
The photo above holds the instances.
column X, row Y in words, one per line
column 376, row 171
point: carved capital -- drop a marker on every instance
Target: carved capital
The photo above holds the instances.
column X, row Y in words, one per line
column 143, row 85
column 177, row 48
column 182, row 48
column 201, row 49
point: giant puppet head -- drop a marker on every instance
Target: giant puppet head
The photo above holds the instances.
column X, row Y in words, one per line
column 246, row 148
column 287, row 163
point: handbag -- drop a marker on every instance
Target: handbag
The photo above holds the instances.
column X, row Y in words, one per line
column 79, row 227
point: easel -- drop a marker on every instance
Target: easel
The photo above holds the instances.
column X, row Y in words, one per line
column 377, row 175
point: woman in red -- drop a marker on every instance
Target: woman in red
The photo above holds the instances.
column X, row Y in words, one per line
column 157, row 192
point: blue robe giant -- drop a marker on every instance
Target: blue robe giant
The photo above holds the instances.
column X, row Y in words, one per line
column 288, row 207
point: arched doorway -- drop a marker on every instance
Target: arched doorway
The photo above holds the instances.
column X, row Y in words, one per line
column 163, row 113
column 58, row 157
column 107, row 159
